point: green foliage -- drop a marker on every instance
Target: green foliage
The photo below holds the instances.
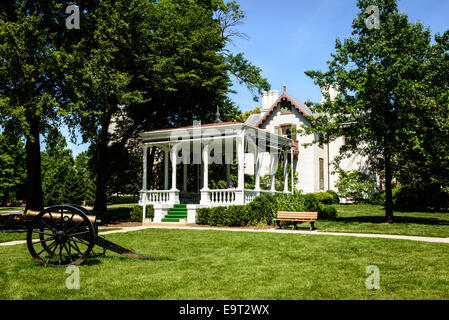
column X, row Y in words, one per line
column 392, row 102
column 335, row 197
column 12, row 168
column 136, row 213
column 377, row 198
column 122, row 199
column 355, row 184
column 62, row 180
column 326, row 212
column 263, row 210
column 424, row 198
column 324, row 197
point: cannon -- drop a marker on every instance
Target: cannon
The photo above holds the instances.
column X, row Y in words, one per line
column 65, row 235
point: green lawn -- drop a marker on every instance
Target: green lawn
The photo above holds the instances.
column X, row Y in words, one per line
column 238, row 265
column 11, row 209
column 370, row 219
column 13, row 236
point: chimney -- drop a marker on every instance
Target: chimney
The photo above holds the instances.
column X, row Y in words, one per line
column 265, row 102
column 268, row 98
column 274, row 96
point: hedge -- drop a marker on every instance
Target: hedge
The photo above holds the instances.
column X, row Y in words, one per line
column 323, row 197
column 263, row 210
column 136, row 213
column 123, row 199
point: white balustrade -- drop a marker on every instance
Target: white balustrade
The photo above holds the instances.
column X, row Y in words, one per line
column 155, row 197
column 222, row 197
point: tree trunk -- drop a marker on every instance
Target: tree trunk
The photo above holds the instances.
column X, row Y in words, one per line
column 34, row 195
column 388, row 188
column 102, row 162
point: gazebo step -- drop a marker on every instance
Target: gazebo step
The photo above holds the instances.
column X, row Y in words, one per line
column 176, row 216
column 178, row 212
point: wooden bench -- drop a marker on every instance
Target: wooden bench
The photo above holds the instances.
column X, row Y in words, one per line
column 296, row 217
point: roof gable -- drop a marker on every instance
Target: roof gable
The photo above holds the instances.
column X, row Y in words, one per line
column 297, row 104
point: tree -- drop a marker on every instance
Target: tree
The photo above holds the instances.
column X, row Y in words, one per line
column 57, row 164
column 163, row 63
column 355, row 184
column 12, row 167
column 378, row 72
column 32, row 37
column 423, row 164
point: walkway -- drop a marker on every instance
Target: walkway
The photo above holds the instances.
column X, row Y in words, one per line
column 338, row 234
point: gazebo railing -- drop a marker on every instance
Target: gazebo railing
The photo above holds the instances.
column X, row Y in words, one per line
column 222, row 197
column 155, row 197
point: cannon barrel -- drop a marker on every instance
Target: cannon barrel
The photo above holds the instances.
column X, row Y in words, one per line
column 72, row 216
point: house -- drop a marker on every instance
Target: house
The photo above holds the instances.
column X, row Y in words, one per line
column 283, row 115
column 263, row 146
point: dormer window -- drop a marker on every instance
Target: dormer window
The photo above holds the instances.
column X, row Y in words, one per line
column 286, row 130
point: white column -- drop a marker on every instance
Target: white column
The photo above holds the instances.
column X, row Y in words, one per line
column 240, row 190
column 166, row 157
column 285, row 172
column 205, row 190
column 144, row 182
column 184, row 173
column 273, row 164
column 206, row 167
column 241, row 162
column 258, row 157
column 145, row 165
column 173, row 165
column 291, row 170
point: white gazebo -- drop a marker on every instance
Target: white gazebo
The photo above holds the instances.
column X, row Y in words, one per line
column 193, row 149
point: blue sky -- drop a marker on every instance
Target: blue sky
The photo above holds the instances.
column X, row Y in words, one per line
column 288, row 37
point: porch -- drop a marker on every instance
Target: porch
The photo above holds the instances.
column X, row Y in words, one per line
column 189, row 156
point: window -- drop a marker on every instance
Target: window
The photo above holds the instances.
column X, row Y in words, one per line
column 286, row 131
column 321, row 173
column 320, row 139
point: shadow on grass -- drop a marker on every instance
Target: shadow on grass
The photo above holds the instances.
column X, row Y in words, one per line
column 396, row 219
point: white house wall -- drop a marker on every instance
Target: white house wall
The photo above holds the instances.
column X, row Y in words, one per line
column 307, row 167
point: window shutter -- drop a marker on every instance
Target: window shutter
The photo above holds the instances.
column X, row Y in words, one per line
column 294, row 135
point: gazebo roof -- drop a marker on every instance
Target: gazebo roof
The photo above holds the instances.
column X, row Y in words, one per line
column 208, row 131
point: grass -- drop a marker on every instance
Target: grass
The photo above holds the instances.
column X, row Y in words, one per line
column 14, row 236
column 371, row 219
column 237, row 265
column 11, row 209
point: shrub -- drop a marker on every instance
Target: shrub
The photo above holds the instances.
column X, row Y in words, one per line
column 377, row 198
column 326, row 212
column 289, row 202
column 407, row 199
column 136, row 213
column 123, row 199
column 263, row 210
column 202, row 216
column 237, row 216
column 323, row 197
column 335, row 197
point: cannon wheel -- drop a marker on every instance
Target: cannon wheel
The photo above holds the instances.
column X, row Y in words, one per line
column 61, row 240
